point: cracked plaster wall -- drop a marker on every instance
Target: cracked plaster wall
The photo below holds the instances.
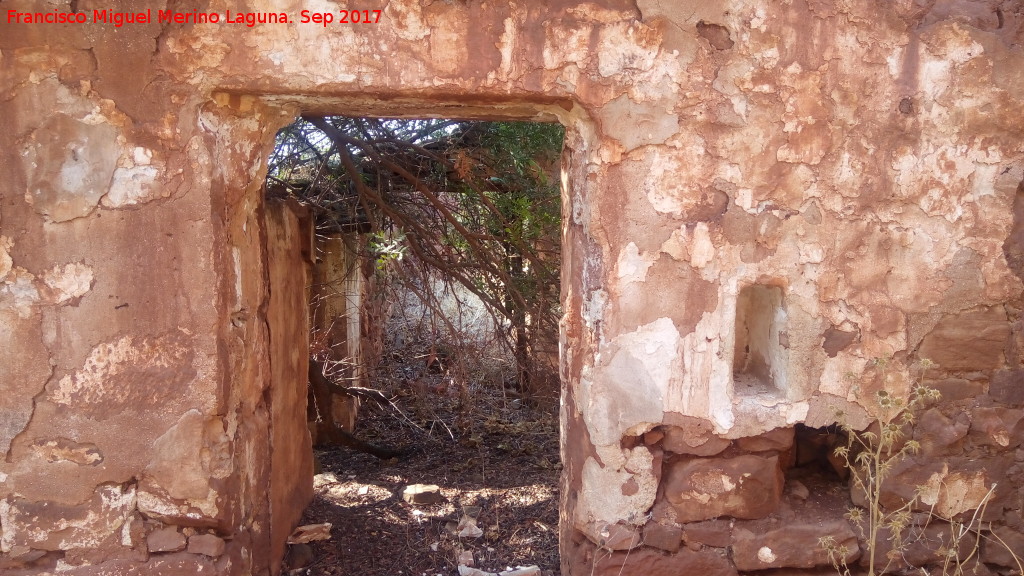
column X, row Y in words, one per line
column 865, row 158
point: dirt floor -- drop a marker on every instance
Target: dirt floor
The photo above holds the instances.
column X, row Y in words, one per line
column 494, row 458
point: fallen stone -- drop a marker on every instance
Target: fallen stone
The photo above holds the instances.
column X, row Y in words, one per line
column 794, row 546
column 422, row 494
column 518, row 571
column 166, row 539
column 521, row 571
column 207, row 544
column 798, row 489
column 310, row 533
column 469, row 529
column 742, row 487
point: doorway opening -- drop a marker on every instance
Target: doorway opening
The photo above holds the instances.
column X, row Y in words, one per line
column 434, row 308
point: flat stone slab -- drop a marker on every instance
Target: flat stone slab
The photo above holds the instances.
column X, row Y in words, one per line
column 422, row 494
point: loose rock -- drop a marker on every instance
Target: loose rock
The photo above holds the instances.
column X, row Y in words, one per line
column 422, row 494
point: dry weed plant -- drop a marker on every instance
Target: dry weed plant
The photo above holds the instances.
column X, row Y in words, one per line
column 870, row 455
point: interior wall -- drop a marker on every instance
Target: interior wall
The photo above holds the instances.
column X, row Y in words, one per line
column 289, row 238
column 865, row 158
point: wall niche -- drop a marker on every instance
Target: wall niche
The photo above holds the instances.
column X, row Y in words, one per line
column 761, row 351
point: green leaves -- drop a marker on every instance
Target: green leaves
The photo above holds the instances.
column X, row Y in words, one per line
column 476, row 203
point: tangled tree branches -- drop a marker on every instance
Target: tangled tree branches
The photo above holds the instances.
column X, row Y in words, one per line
column 473, row 203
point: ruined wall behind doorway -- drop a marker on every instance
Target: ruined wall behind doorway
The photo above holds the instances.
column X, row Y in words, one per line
column 852, row 166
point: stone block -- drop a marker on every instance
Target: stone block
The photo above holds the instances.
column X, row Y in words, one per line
column 922, row 546
column 422, row 494
column 1001, row 546
column 793, row 546
column 651, row 562
column 968, row 341
column 663, row 536
column 778, row 439
column 166, row 539
column 715, row 533
column 940, row 434
column 612, row 536
column 1007, row 387
column 955, row 389
column 206, row 544
column 742, row 487
column 688, row 435
column 998, row 427
column 174, row 564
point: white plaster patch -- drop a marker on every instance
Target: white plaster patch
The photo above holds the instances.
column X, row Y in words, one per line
column 954, row 493
column 155, row 505
column 837, row 373
column 630, row 390
column 702, row 249
column 406, row 19
column 69, row 281
column 7, row 527
column 601, row 497
column 983, row 183
column 797, row 412
column 661, row 184
column 20, row 285
column 6, row 262
column 677, row 245
column 632, row 266
column 624, row 46
column 506, row 47
column 593, row 308
column 131, row 186
column 566, row 43
column 811, row 253
column 702, row 391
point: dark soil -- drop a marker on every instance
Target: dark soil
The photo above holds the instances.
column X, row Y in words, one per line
column 482, row 446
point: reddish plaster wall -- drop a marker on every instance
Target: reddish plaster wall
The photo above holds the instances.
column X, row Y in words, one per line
column 865, row 158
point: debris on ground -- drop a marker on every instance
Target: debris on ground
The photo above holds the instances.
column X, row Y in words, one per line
column 310, row 533
column 490, row 457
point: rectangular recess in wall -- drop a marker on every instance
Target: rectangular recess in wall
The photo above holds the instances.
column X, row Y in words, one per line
column 760, row 356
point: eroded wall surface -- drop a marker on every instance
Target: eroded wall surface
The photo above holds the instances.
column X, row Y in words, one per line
column 760, row 198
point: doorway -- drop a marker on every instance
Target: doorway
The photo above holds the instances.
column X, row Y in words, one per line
column 434, row 305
